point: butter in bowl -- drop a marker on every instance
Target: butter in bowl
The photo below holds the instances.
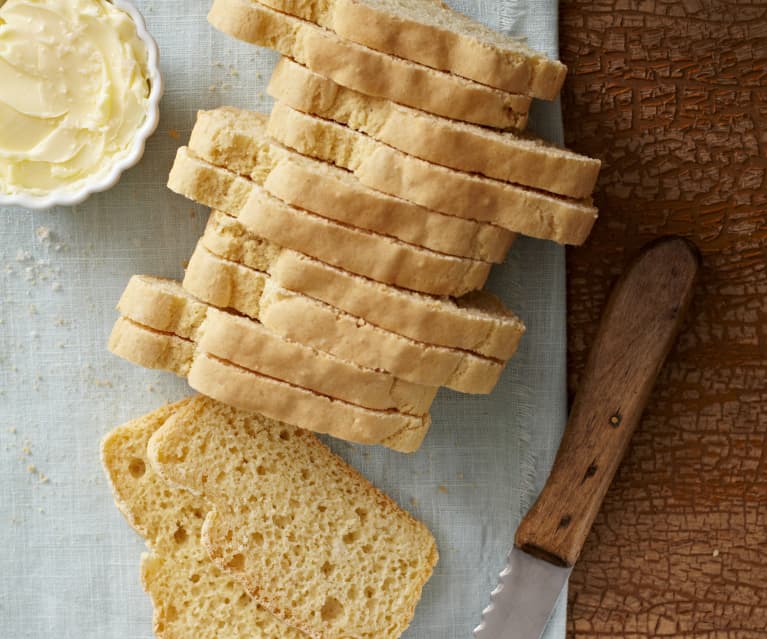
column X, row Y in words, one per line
column 79, row 96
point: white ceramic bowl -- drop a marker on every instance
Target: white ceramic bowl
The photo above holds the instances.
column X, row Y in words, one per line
column 69, row 197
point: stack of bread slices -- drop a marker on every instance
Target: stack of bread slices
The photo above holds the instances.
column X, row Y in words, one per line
column 336, row 287
column 338, row 282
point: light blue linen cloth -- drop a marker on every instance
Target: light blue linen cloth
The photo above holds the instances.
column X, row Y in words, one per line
column 68, row 561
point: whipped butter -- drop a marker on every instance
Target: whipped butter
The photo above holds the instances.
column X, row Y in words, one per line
column 73, row 92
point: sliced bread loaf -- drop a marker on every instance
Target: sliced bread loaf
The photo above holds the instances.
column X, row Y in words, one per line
column 228, row 284
column 379, row 257
column 249, row 344
column 310, row 538
column 435, row 35
column 191, row 596
column 248, row 390
column 237, row 140
column 477, row 322
column 512, row 157
column 335, row 194
column 382, row 167
column 367, row 70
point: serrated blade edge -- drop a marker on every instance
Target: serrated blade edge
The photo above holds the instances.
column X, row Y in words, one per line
column 522, row 602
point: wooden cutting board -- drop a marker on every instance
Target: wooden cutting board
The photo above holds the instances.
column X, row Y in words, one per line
column 672, row 95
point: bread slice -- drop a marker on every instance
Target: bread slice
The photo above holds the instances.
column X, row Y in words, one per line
column 245, row 390
column 367, row 70
column 435, row 35
column 150, row 348
column 382, row 167
column 335, row 194
column 248, row 390
column 237, row 140
column 309, row 537
column 149, row 301
column 191, row 596
column 511, row 157
column 477, row 322
column 299, row 318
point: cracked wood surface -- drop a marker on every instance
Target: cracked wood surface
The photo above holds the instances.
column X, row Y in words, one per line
column 672, row 96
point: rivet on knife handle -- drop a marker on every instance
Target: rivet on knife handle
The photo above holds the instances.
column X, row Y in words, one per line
column 638, row 327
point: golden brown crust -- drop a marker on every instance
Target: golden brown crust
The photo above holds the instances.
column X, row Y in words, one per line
column 151, row 349
column 367, row 70
column 506, row 156
column 436, row 187
column 249, row 344
column 237, row 387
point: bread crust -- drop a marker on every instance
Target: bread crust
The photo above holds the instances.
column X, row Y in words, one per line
column 422, row 318
column 347, row 337
column 277, row 399
column 505, row 64
column 509, row 69
column 322, row 189
column 506, row 156
column 478, row 322
column 249, row 344
column 380, row 258
column 367, row 70
column 284, row 402
column 436, row 187
column 309, row 321
column 151, row 349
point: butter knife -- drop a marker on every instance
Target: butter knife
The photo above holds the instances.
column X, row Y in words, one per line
column 638, row 327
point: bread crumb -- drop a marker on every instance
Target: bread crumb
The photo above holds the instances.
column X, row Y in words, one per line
column 44, row 479
column 442, row 488
column 715, row 553
column 12, row 430
column 56, row 286
column 26, row 450
column 43, row 233
column 174, row 134
column 212, row 88
column 32, row 469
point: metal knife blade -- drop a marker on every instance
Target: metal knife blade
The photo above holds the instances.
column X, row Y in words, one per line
column 524, row 599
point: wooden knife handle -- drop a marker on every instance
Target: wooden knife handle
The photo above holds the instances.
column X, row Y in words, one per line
column 638, row 327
